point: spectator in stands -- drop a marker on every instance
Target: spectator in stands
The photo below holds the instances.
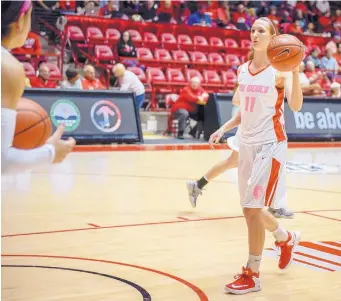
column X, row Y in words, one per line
column 223, row 14
column 337, row 55
column 251, row 17
column 199, row 17
column 332, row 44
column 329, row 63
column 310, row 29
column 148, row 11
column 322, row 7
column 273, row 15
column 187, row 105
column 128, row 81
column 314, row 57
column 295, row 27
column 165, row 13
column 325, row 23
column 300, row 18
column 125, row 48
column 66, row 6
column 335, row 89
column 239, row 18
column 42, row 80
column 309, row 86
column 73, row 80
column 31, row 46
column 89, row 82
column 337, row 21
column 107, row 10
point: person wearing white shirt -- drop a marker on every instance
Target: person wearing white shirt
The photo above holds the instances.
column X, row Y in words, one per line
column 73, row 80
column 128, row 81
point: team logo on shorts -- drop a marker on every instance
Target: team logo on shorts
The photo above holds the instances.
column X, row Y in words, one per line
column 106, row 116
column 64, row 111
column 258, row 192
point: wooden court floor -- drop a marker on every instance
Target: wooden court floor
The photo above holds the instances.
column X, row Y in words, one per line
column 118, row 226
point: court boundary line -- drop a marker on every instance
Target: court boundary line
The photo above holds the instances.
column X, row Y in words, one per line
column 202, row 296
column 189, row 146
column 307, row 212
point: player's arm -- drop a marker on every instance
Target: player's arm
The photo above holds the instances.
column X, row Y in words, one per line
column 14, row 160
column 236, row 96
column 290, row 81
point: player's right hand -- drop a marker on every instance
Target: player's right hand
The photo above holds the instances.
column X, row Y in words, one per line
column 215, row 137
column 62, row 147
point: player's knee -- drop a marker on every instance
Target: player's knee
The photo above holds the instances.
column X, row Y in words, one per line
column 252, row 213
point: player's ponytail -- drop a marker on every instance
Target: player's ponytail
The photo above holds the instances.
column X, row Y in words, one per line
column 10, row 12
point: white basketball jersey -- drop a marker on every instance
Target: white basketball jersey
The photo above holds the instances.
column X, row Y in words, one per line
column 261, row 106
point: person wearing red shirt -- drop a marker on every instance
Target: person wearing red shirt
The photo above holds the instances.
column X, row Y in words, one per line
column 190, row 103
column 90, row 82
column 31, row 46
column 239, row 18
column 107, row 10
column 67, row 5
column 273, row 15
column 42, row 80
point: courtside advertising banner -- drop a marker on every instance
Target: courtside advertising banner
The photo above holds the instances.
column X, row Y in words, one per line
column 91, row 116
column 319, row 118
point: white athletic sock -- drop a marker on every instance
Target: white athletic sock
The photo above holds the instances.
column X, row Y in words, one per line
column 254, row 262
column 280, row 234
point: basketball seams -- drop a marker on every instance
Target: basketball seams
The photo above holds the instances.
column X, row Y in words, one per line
column 43, row 135
column 286, row 45
column 42, row 118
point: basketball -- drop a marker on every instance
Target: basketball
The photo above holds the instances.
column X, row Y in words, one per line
column 33, row 125
column 285, row 52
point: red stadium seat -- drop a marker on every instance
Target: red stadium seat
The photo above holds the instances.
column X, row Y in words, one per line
column 55, row 73
column 103, row 53
column 215, row 58
column 211, row 77
column 180, row 55
column 245, row 44
column 229, row 78
column 150, row 40
column 175, row 75
column 155, row 74
column 190, row 73
column 168, row 41
column 139, row 72
column 29, row 70
column 162, row 55
column 216, row 43
column 185, row 42
column 232, row 60
column 197, row 56
column 144, row 53
column 112, row 35
column 94, row 35
column 200, row 43
column 231, row 43
column 136, row 37
column 74, row 33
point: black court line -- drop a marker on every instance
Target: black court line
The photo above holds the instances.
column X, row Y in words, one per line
column 145, row 295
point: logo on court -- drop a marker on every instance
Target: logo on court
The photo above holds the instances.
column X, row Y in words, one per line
column 319, row 255
column 64, row 111
column 106, row 116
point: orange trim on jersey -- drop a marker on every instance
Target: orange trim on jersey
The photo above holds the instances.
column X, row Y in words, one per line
column 278, row 126
column 254, row 74
column 272, row 183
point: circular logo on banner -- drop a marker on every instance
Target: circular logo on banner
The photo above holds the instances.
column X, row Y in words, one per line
column 106, row 116
column 64, row 111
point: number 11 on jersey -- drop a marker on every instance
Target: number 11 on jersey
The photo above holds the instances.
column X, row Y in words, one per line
column 249, row 103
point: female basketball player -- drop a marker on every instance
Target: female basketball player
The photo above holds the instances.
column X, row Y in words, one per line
column 15, row 25
column 195, row 188
column 262, row 151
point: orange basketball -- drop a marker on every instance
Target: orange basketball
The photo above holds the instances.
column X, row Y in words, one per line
column 33, row 125
column 285, row 52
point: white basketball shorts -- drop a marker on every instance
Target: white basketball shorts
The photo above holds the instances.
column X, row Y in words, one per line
column 262, row 175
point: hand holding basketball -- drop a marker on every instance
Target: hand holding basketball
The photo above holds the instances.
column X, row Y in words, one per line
column 62, row 147
column 285, row 52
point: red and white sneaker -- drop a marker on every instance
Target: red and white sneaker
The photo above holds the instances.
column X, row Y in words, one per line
column 246, row 282
column 287, row 249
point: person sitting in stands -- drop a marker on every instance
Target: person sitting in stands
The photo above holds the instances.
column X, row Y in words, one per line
column 73, row 80
column 190, row 103
column 89, row 82
column 42, row 80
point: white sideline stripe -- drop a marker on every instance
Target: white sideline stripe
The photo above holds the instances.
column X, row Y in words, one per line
column 326, row 245
column 320, row 254
column 318, row 262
